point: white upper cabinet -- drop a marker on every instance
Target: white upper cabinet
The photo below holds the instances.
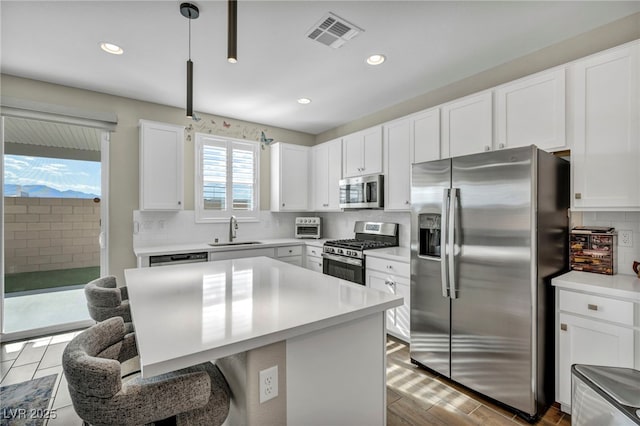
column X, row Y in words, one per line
column 397, row 164
column 326, row 172
column 161, row 166
column 467, row 125
column 413, row 139
column 425, row 135
column 289, row 177
column 362, row 152
column 605, row 130
column 531, row 111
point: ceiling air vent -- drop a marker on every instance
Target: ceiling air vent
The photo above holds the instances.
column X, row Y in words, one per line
column 333, row 31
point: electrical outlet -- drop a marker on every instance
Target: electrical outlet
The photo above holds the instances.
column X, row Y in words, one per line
column 625, row 238
column 268, row 384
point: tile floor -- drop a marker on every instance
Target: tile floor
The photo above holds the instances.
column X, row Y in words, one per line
column 415, row 397
column 25, row 360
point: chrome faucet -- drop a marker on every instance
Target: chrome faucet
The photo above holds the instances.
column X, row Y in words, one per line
column 233, row 225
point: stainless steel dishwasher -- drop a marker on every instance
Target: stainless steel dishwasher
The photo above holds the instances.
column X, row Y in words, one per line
column 178, row 258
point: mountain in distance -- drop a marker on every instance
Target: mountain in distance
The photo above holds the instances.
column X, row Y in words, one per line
column 42, row 191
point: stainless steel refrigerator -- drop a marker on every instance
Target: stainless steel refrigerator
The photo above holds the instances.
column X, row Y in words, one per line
column 488, row 232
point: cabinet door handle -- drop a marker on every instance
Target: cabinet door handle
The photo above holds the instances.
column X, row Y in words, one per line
column 389, row 283
column 282, row 204
column 179, row 203
column 487, row 148
column 290, row 251
column 407, row 202
column 563, row 327
column 389, row 267
column 578, row 195
column 592, row 307
column 501, row 146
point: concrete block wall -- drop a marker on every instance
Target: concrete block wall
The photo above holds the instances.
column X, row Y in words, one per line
column 44, row 234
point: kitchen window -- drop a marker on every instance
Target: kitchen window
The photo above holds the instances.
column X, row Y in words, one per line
column 227, row 173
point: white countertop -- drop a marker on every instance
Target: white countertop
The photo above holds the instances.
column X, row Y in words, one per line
column 400, row 254
column 153, row 250
column 619, row 285
column 316, row 242
column 187, row 314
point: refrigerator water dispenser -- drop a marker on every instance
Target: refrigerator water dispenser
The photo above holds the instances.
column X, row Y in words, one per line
column 429, row 228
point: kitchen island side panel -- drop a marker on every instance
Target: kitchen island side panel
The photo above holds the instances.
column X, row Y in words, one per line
column 337, row 375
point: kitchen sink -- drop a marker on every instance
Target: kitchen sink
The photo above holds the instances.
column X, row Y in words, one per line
column 235, row 243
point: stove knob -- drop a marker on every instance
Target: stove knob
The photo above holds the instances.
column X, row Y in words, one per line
column 340, row 251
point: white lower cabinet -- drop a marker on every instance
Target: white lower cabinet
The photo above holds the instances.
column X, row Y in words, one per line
column 313, row 258
column 289, row 254
column 591, row 329
column 392, row 277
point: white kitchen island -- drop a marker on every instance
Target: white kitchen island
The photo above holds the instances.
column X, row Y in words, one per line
column 325, row 335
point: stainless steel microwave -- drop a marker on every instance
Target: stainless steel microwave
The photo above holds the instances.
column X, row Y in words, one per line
column 362, row 192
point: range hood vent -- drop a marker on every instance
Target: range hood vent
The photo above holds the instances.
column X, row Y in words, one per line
column 333, row 31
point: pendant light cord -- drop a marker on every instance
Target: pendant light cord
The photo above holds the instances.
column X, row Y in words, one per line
column 189, row 38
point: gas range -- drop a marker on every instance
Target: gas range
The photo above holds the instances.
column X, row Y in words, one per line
column 353, row 247
column 345, row 258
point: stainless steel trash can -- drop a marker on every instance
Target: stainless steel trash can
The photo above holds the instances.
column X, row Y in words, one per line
column 603, row 396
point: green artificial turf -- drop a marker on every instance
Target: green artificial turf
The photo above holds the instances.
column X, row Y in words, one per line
column 49, row 279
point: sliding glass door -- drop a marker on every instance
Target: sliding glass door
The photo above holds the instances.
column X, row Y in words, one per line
column 54, row 219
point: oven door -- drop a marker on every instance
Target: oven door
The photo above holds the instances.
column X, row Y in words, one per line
column 343, row 267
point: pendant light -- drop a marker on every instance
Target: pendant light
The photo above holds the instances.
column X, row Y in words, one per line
column 189, row 11
column 232, row 36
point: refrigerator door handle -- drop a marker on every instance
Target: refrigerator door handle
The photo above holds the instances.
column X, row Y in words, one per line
column 451, row 241
column 443, row 245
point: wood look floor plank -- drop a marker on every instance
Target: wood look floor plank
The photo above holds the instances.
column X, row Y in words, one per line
column 565, row 420
column 484, row 415
column 392, row 396
column 450, row 415
column 414, row 414
column 428, row 399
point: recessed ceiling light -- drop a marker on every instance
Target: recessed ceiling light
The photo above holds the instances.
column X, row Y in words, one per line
column 114, row 49
column 304, row 101
column 376, row 59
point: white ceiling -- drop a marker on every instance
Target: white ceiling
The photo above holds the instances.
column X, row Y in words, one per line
column 428, row 45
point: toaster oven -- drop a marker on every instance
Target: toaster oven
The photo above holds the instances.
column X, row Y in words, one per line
column 308, row 227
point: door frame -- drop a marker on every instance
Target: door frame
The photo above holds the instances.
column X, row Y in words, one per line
column 106, row 122
column 103, row 239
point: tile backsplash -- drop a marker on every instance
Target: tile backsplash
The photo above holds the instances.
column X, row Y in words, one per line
column 155, row 228
column 622, row 221
column 159, row 228
column 340, row 224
